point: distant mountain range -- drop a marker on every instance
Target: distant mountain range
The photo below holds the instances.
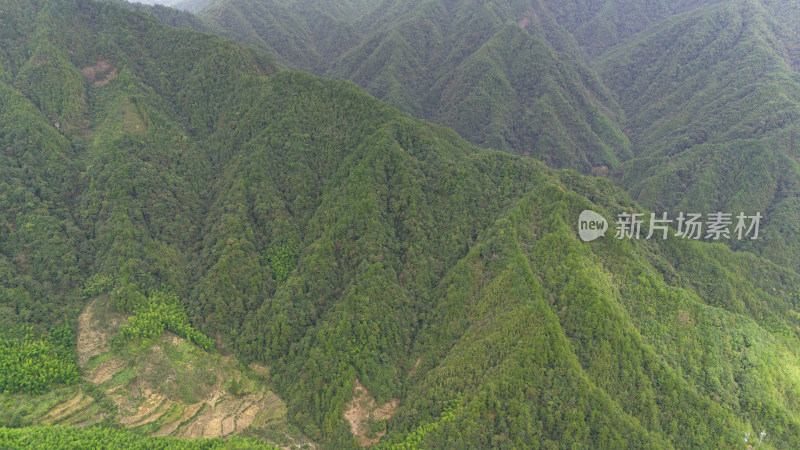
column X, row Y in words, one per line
column 647, row 93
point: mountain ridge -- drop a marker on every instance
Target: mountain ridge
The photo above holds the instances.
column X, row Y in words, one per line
column 305, row 226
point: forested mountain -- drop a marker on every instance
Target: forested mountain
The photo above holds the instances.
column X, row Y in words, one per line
column 171, row 15
column 705, row 91
column 713, row 102
column 194, row 242
column 502, row 74
column 600, row 25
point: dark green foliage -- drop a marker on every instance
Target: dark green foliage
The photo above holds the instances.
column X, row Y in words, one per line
column 75, row 126
column 506, row 75
column 312, row 228
column 40, row 269
column 502, row 74
column 38, row 238
column 714, row 104
column 600, row 25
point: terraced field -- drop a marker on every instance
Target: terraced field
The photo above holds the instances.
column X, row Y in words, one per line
column 167, row 387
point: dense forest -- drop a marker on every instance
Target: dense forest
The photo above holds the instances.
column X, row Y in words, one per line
column 196, row 242
column 70, row 437
column 714, row 97
column 502, row 74
column 657, row 95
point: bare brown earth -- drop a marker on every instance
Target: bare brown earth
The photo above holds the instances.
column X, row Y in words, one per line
column 92, row 339
column 101, row 73
column 362, row 410
column 63, row 409
column 106, row 370
column 146, row 389
column 414, row 369
column 125, row 113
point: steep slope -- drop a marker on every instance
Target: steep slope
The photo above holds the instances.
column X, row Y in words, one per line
column 528, row 315
column 688, row 75
column 504, row 75
column 389, row 280
column 170, row 14
column 393, row 227
column 600, row 25
column 307, row 35
column 93, row 157
column 713, row 106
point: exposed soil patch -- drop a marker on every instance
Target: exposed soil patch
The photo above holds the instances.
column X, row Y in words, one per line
column 94, row 330
column 525, row 18
column 148, row 385
column 89, row 342
column 63, row 409
column 600, row 171
column 171, row 427
column 247, row 417
column 414, row 369
column 386, row 410
column 224, row 414
column 106, row 370
column 259, row 369
column 364, row 410
column 101, row 73
column 150, row 404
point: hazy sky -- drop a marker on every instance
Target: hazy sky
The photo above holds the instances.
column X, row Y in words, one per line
column 157, row 2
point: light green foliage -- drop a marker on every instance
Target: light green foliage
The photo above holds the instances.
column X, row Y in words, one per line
column 417, row 437
column 32, row 365
column 96, row 285
column 97, row 437
column 281, row 260
column 162, row 311
column 321, row 233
